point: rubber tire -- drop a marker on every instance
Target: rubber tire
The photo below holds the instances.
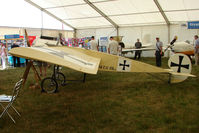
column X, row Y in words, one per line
column 61, row 80
column 55, row 84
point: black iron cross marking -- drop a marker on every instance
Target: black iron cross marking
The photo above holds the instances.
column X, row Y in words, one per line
column 124, row 65
column 180, row 64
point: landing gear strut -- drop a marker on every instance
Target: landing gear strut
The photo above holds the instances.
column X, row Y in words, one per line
column 50, row 84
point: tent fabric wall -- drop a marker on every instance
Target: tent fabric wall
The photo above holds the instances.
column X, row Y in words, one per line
column 183, row 33
column 8, row 31
column 103, row 32
column 34, row 32
column 130, row 34
column 146, row 34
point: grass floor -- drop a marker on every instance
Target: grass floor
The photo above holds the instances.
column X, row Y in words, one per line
column 106, row 103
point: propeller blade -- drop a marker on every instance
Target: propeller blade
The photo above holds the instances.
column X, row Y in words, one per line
column 171, row 44
column 174, row 40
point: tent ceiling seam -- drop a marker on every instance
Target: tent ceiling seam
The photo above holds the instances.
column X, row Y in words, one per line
column 79, row 4
column 123, row 26
column 165, row 14
column 128, row 14
column 161, row 11
column 101, row 13
column 197, row 9
column 50, row 14
column 113, row 15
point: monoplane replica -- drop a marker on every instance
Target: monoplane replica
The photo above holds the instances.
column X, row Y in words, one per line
column 183, row 48
column 176, row 47
column 145, row 47
column 90, row 62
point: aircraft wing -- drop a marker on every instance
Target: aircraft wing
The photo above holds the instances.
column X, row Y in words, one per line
column 70, row 58
column 140, row 49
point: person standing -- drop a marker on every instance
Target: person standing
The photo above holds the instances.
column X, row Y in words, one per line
column 3, row 56
column 196, row 49
column 80, row 45
column 0, row 54
column 113, row 46
column 42, row 67
column 138, row 45
column 14, row 57
column 93, row 44
column 158, row 52
column 121, row 46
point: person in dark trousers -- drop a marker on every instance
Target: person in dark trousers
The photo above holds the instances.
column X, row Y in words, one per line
column 158, row 52
column 14, row 57
column 42, row 66
column 138, row 45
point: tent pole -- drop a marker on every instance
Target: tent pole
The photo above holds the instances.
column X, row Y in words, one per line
column 117, row 29
column 75, row 33
column 169, row 34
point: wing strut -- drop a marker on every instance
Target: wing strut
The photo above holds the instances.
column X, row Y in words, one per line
column 29, row 64
column 36, row 75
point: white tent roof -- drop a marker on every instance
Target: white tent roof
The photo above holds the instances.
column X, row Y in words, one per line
column 18, row 13
column 107, row 13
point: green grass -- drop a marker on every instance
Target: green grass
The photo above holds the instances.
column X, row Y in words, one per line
column 106, row 103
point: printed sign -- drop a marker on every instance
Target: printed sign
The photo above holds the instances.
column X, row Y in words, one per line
column 103, row 41
column 11, row 36
column 193, row 25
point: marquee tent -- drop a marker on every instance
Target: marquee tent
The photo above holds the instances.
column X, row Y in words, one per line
column 82, row 14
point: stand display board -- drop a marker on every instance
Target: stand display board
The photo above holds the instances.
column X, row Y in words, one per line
column 103, row 41
column 9, row 40
column 11, row 36
column 103, row 44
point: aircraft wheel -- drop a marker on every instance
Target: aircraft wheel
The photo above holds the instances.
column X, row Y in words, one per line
column 49, row 85
column 60, row 78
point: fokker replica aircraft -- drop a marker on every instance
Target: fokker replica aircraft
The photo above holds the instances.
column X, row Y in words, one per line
column 183, row 48
column 145, row 47
column 176, row 47
column 180, row 47
column 90, row 62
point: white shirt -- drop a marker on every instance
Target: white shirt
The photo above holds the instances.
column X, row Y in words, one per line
column 113, row 46
column 120, row 50
column 158, row 46
column 3, row 51
column 80, row 45
column 22, row 45
column 93, row 45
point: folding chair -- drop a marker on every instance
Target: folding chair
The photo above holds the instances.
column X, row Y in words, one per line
column 10, row 99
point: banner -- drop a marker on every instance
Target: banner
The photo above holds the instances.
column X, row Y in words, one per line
column 11, row 36
column 193, row 25
column 30, row 38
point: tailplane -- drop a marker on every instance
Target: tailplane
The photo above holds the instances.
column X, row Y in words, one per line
column 181, row 67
